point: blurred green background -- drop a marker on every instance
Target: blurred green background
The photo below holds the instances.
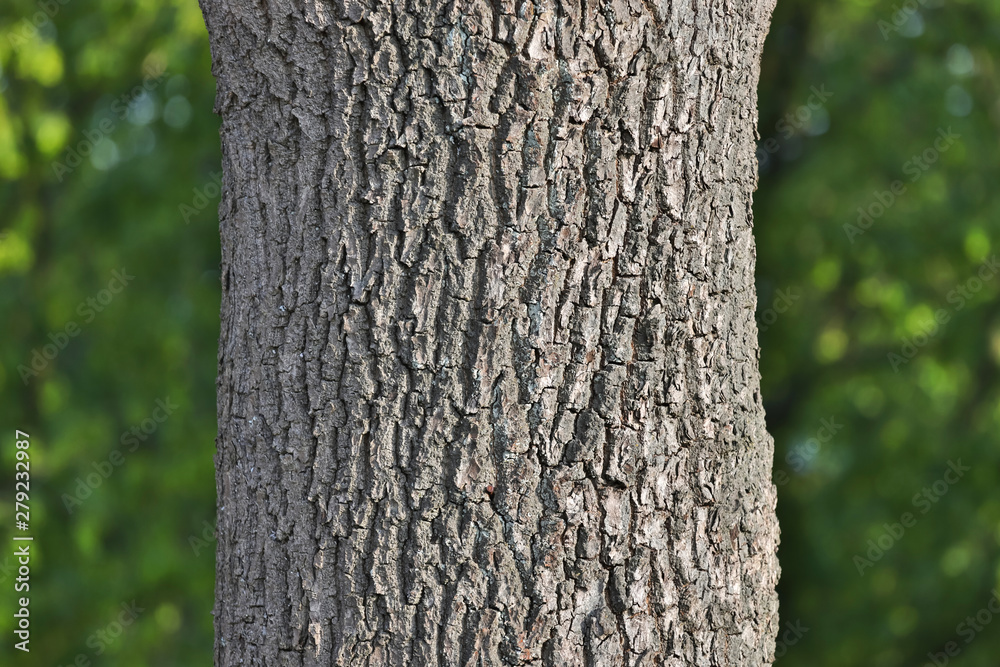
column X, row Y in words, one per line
column 880, row 328
column 123, row 91
column 880, row 376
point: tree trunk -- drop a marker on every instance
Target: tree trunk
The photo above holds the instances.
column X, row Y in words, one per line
column 488, row 381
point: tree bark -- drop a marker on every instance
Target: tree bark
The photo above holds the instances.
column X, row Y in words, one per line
column 488, row 379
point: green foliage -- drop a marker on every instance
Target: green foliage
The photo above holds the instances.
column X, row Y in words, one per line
column 98, row 174
column 889, row 328
column 94, row 169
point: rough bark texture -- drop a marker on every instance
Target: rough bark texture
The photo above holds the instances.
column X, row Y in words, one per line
column 488, row 381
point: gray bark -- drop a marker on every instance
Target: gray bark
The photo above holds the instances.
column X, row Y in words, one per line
column 488, row 379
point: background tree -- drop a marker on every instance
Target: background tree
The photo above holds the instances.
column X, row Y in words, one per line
column 488, row 384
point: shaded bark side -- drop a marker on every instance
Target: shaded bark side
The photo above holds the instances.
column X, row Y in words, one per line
column 488, row 380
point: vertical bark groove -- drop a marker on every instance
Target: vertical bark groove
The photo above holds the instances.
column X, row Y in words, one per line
column 488, row 383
